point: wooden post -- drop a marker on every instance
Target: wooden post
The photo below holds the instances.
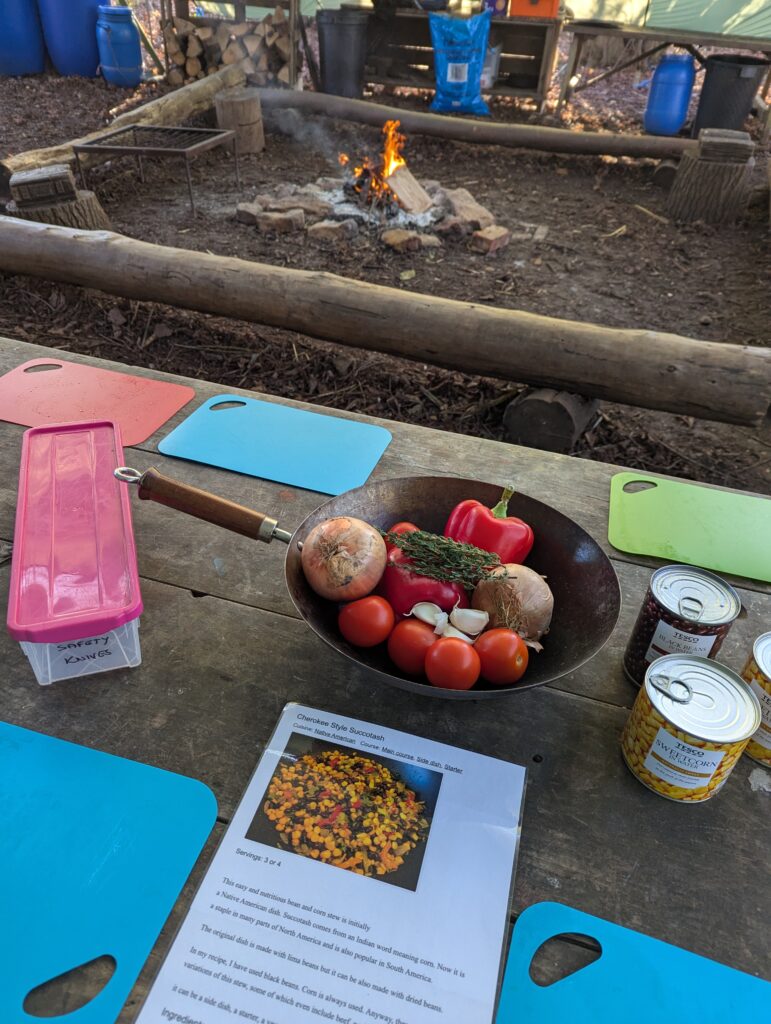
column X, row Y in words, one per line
column 636, row 367
column 239, row 110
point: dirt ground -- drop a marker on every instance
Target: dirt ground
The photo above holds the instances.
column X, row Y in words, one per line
column 608, row 258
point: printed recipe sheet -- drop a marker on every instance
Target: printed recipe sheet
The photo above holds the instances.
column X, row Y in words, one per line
column 366, row 876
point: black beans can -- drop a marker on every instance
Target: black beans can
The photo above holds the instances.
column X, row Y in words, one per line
column 685, row 611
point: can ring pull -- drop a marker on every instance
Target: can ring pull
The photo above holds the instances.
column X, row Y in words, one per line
column 690, row 607
column 664, row 685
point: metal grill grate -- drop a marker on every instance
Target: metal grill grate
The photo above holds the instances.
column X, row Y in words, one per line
column 152, row 137
column 152, row 140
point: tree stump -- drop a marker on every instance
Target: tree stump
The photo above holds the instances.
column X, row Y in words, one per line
column 84, row 212
column 713, row 185
column 239, row 110
column 549, row 420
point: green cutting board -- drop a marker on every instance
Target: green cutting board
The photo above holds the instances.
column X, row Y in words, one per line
column 720, row 530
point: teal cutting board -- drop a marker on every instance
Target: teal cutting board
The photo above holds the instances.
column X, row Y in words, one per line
column 278, row 442
column 94, row 851
column 681, row 522
column 635, row 980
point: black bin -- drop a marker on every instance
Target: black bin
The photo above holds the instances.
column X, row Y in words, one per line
column 342, row 51
column 728, row 92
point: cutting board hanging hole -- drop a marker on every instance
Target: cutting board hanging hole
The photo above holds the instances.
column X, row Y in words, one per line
column 563, row 955
column 226, row 405
column 634, row 486
column 42, row 367
column 72, row 990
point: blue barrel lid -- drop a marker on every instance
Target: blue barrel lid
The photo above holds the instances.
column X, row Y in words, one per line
column 122, row 13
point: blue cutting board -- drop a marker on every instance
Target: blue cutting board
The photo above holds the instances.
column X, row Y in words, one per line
column 279, row 442
column 636, row 980
column 94, row 851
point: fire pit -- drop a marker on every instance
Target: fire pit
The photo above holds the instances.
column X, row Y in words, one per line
column 378, row 194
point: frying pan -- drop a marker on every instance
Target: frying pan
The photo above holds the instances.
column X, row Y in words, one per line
column 587, row 597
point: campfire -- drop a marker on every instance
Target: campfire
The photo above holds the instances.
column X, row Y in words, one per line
column 379, row 195
column 386, row 185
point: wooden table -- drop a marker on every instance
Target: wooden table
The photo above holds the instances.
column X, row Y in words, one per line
column 661, row 37
column 223, row 651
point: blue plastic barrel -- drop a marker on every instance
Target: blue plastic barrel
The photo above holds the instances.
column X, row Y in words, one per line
column 670, row 94
column 119, row 51
column 69, row 27
column 22, row 51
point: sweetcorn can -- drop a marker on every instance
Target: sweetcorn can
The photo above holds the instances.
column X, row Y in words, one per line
column 689, row 725
column 685, row 611
column 757, row 674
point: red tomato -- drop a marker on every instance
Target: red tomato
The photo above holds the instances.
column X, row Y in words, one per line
column 452, row 664
column 366, row 622
column 408, row 643
column 503, row 654
column 400, row 528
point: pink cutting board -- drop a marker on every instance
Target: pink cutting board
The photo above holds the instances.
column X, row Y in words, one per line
column 75, row 392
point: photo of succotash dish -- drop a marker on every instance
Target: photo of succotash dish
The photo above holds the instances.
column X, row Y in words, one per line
column 339, row 806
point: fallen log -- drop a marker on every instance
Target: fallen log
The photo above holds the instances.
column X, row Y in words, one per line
column 174, row 108
column 487, row 133
column 657, row 371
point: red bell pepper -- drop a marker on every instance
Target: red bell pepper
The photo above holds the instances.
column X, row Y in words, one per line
column 491, row 529
column 404, row 589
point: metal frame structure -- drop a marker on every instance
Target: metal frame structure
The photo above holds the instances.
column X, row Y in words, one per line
column 160, row 141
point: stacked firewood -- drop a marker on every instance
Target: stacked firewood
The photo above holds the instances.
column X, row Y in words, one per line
column 263, row 49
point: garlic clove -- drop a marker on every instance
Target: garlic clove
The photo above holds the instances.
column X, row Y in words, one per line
column 441, row 624
column 450, row 630
column 469, row 620
column 428, row 612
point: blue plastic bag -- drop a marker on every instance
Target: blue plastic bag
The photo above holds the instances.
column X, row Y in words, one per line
column 460, row 45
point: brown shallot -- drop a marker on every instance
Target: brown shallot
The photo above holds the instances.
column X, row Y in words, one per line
column 518, row 598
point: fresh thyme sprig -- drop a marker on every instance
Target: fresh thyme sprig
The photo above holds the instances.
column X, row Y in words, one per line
column 442, row 558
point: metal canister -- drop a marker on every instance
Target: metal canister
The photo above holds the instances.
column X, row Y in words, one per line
column 685, row 611
column 757, row 673
column 689, row 725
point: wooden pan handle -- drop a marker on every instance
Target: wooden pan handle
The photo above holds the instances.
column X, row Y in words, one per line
column 154, row 486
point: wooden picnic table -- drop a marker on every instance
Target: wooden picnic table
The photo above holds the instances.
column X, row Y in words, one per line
column 224, row 650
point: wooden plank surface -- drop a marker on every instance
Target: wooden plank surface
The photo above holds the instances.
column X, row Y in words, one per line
column 672, row 35
column 218, row 668
column 578, row 487
column 216, row 675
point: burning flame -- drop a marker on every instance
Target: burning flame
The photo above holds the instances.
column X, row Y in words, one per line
column 371, row 180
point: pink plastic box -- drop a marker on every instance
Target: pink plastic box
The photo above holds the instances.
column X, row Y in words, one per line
column 75, row 602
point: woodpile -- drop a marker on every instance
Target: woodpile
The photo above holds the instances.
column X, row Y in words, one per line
column 263, row 49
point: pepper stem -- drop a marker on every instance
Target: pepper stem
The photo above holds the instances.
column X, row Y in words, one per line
column 501, row 510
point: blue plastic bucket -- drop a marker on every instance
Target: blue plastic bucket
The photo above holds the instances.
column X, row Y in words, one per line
column 69, row 27
column 22, row 51
column 670, row 94
column 120, row 54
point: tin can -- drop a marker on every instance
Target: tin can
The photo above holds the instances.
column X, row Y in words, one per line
column 757, row 673
column 689, row 725
column 685, row 611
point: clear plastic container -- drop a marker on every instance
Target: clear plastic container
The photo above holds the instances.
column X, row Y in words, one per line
column 72, row 658
column 74, row 601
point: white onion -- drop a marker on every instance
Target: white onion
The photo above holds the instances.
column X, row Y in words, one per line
column 518, row 598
